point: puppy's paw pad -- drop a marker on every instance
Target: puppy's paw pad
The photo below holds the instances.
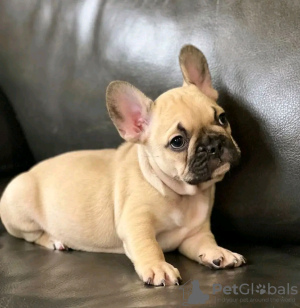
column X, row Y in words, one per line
column 58, row 245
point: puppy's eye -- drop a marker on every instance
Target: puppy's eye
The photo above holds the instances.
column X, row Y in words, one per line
column 177, row 143
column 222, row 119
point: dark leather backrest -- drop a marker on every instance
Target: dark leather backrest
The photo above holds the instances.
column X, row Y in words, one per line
column 57, row 57
column 15, row 155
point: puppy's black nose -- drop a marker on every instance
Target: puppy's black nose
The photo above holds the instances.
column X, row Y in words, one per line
column 215, row 148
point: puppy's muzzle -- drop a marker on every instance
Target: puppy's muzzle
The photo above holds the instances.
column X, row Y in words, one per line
column 211, row 152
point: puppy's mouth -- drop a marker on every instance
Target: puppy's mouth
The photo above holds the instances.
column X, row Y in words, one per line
column 224, row 167
column 212, row 159
column 205, row 175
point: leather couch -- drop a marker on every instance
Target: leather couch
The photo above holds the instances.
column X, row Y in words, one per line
column 56, row 59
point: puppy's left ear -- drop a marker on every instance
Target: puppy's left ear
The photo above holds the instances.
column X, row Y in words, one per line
column 129, row 110
column 195, row 70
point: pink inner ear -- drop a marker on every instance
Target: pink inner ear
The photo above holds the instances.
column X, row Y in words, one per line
column 194, row 75
column 202, row 82
column 133, row 116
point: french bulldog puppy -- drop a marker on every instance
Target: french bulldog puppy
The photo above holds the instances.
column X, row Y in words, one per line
column 154, row 193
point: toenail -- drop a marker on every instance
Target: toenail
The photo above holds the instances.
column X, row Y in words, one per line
column 217, row 262
column 148, row 283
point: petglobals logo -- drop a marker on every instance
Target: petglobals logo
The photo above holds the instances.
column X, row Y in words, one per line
column 250, row 289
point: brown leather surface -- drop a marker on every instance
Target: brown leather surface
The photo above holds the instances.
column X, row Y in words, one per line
column 32, row 276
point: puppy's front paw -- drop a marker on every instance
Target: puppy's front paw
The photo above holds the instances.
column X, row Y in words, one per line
column 158, row 274
column 218, row 257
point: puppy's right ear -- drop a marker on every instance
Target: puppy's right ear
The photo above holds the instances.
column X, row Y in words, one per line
column 195, row 70
column 129, row 110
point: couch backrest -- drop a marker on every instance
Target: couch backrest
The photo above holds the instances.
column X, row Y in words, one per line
column 57, row 57
column 15, row 155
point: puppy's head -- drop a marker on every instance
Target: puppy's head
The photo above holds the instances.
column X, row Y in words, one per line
column 184, row 130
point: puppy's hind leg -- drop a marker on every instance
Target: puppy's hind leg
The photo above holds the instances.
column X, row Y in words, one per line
column 47, row 241
column 19, row 208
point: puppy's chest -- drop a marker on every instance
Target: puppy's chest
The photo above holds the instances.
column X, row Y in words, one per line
column 190, row 212
column 182, row 220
